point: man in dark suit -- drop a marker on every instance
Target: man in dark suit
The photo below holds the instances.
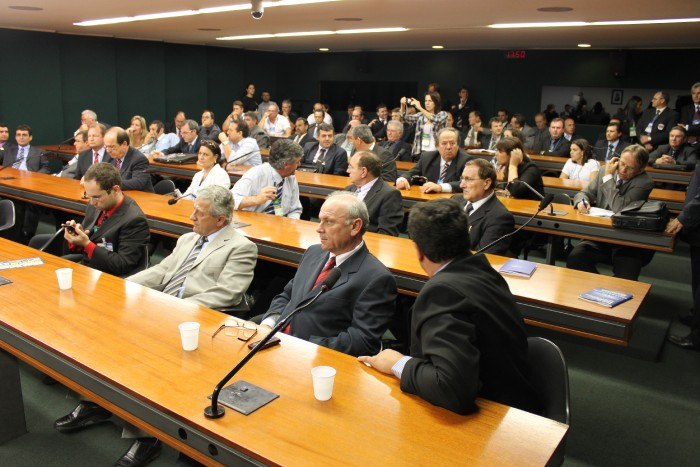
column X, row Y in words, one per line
column 114, row 232
column 378, row 125
column 363, row 140
column 4, row 140
column 623, row 181
column 468, row 338
column 489, row 220
column 400, row 150
column 318, row 115
column 189, row 140
column 676, row 151
column 384, row 203
column 612, row 145
column 687, row 225
column 496, row 127
column 325, row 154
column 301, row 132
column 96, row 153
column 570, row 129
column 556, row 144
column 174, row 126
column 655, row 124
column 690, row 115
column 352, row 316
column 442, row 168
column 131, row 164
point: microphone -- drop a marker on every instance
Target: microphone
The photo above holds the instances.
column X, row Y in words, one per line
column 547, row 200
column 215, row 410
column 238, row 158
column 172, row 201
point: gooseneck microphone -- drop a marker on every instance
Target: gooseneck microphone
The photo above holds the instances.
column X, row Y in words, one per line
column 238, row 158
column 546, row 201
column 172, row 201
column 215, row 410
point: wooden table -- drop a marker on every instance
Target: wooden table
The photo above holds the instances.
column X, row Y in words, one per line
column 118, row 344
column 548, row 299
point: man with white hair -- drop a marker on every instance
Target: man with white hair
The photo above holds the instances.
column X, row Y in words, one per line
column 274, row 123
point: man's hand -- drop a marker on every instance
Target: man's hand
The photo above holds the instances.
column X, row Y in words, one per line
column 383, row 361
column 223, row 138
column 79, row 238
column 611, row 165
column 666, row 159
column 430, row 187
column 674, row 226
column 583, row 207
column 402, row 184
column 268, row 193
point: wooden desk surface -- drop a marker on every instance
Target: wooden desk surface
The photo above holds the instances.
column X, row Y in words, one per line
column 548, row 299
column 131, row 342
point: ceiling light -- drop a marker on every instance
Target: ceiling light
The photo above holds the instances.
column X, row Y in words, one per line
column 25, row 8
column 324, row 49
column 208, row 29
column 555, row 9
column 564, row 24
column 201, row 11
column 645, row 21
column 310, row 33
column 438, row 47
column 584, row 46
column 347, row 19
column 561, row 24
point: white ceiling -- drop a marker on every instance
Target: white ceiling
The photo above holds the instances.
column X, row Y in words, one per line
column 455, row 24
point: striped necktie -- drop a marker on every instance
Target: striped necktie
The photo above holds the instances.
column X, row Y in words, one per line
column 96, row 158
column 270, row 209
column 118, row 164
column 443, row 173
column 468, row 208
column 173, row 287
column 20, row 158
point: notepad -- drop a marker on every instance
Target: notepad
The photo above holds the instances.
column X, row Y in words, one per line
column 20, row 263
column 605, row 297
column 518, row 267
column 599, row 212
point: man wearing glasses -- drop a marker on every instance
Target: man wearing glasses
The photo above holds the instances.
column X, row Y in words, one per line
column 488, row 218
column 189, row 140
column 129, row 162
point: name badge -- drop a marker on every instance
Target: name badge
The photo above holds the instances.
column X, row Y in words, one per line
column 660, row 127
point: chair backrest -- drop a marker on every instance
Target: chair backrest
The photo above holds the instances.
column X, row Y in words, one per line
column 550, row 376
column 7, row 214
column 164, row 187
column 144, row 262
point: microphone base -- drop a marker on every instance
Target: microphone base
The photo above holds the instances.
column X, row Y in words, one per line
column 209, row 413
column 242, row 397
column 556, row 213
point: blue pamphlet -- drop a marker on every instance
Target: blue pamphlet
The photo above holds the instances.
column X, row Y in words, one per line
column 605, row 297
column 518, row 267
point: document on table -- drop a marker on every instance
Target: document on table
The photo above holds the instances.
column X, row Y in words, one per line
column 599, row 212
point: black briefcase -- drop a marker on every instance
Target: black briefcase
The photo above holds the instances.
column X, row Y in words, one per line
column 642, row 215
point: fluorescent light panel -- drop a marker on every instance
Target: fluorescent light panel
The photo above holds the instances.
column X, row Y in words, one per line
column 310, row 33
column 201, row 11
column 565, row 24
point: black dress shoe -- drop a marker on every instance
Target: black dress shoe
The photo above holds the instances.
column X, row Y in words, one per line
column 143, row 451
column 683, row 342
column 85, row 414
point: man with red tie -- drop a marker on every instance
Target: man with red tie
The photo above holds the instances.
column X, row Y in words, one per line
column 352, row 316
column 95, row 153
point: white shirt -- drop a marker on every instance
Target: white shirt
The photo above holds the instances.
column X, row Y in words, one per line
column 217, row 176
column 280, row 125
column 477, row 204
column 362, row 191
column 580, row 172
column 257, row 178
column 244, row 146
column 326, row 119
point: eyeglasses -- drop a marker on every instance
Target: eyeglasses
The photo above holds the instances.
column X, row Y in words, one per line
column 243, row 330
column 465, row 179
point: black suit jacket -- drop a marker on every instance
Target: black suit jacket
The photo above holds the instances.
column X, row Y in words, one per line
column 529, row 173
column 36, row 160
column 126, row 230
column 399, row 149
column 601, row 148
column 335, row 161
column 353, row 315
column 561, row 147
column 388, row 162
column 306, row 139
column 385, row 206
column 134, row 171
column 486, row 141
column 181, row 147
column 687, row 115
column 487, row 224
column 379, row 129
column 429, row 167
column 468, row 340
column 85, row 161
column 661, row 127
column 687, row 155
column 690, row 215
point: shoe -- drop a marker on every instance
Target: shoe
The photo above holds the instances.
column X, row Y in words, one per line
column 686, row 319
column 683, row 342
column 143, row 451
column 85, row 414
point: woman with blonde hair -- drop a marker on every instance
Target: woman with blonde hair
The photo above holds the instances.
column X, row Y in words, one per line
column 137, row 132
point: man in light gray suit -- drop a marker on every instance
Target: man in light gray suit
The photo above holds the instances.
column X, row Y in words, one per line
column 223, row 265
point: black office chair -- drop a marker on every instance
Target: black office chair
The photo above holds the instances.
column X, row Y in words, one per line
column 242, row 310
column 7, row 214
column 164, row 187
column 54, row 244
column 550, row 378
column 143, row 263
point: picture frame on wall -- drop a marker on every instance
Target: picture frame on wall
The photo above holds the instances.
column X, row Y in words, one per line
column 616, row 96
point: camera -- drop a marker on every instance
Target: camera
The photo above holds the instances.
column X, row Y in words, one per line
column 409, row 102
column 257, row 10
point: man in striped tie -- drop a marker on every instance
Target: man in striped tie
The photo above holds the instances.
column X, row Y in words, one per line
column 352, row 316
column 272, row 187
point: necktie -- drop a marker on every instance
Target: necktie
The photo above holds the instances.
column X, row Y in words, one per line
column 618, row 184
column 321, row 276
column 469, row 208
column 443, row 173
column 189, row 149
column 118, row 164
column 20, row 158
column 552, row 145
column 179, row 277
column 321, row 157
column 611, row 151
column 96, row 158
column 270, row 209
column 673, row 153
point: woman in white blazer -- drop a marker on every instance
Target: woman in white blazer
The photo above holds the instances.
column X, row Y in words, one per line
column 209, row 160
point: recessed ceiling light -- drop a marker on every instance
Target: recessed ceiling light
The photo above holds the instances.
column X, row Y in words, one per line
column 25, row 8
column 559, row 24
column 438, row 47
column 208, row 29
column 584, row 46
column 310, row 33
column 555, row 9
column 324, row 49
column 347, row 19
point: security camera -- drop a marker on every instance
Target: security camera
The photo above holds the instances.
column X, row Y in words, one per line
column 257, row 10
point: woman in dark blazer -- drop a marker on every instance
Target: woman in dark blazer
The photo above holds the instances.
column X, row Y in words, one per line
column 514, row 166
